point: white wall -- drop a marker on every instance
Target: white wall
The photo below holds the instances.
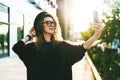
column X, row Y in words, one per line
column 17, row 9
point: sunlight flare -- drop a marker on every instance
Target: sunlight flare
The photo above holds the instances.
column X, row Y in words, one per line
column 82, row 13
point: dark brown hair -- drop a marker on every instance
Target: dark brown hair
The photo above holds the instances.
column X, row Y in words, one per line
column 39, row 29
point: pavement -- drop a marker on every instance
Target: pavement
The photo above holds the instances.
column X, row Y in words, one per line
column 12, row 68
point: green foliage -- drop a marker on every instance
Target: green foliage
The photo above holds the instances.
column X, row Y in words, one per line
column 111, row 29
column 20, row 32
column 87, row 34
column 107, row 61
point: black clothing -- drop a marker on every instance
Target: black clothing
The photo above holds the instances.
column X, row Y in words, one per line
column 55, row 63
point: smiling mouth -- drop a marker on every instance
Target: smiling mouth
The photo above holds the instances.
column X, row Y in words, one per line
column 51, row 28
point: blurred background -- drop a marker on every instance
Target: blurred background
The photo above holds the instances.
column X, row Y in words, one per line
column 75, row 18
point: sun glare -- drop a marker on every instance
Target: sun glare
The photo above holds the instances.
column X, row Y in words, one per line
column 82, row 13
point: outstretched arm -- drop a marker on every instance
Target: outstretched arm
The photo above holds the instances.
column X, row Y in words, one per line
column 98, row 29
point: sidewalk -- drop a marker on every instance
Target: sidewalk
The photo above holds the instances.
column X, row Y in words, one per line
column 11, row 68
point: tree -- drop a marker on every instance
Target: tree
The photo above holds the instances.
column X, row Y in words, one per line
column 107, row 61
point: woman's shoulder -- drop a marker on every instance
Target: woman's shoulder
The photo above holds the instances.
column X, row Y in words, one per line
column 66, row 42
column 30, row 44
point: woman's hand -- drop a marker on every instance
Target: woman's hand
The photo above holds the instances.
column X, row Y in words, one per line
column 97, row 27
column 29, row 36
column 32, row 32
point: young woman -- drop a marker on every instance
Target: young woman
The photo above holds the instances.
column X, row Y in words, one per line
column 49, row 57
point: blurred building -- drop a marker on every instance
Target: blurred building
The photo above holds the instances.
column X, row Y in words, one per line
column 64, row 17
column 16, row 19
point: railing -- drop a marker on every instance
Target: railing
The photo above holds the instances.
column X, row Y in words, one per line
column 85, row 70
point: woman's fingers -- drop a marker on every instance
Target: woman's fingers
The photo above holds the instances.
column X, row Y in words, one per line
column 97, row 27
column 32, row 32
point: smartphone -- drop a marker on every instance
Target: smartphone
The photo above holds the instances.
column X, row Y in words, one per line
column 95, row 16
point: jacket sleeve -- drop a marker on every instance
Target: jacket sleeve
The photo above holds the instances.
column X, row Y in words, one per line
column 19, row 49
column 75, row 52
column 22, row 50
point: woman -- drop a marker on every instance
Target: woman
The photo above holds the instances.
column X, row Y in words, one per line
column 49, row 57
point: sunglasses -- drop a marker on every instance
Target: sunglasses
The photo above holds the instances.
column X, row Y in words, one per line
column 50, row 23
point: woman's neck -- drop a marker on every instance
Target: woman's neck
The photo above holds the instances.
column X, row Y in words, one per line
column 47, row 37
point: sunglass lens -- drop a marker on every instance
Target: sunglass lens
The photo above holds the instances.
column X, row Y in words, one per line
column 50, row 23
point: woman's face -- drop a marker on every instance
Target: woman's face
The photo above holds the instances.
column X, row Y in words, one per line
column 49, row 25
